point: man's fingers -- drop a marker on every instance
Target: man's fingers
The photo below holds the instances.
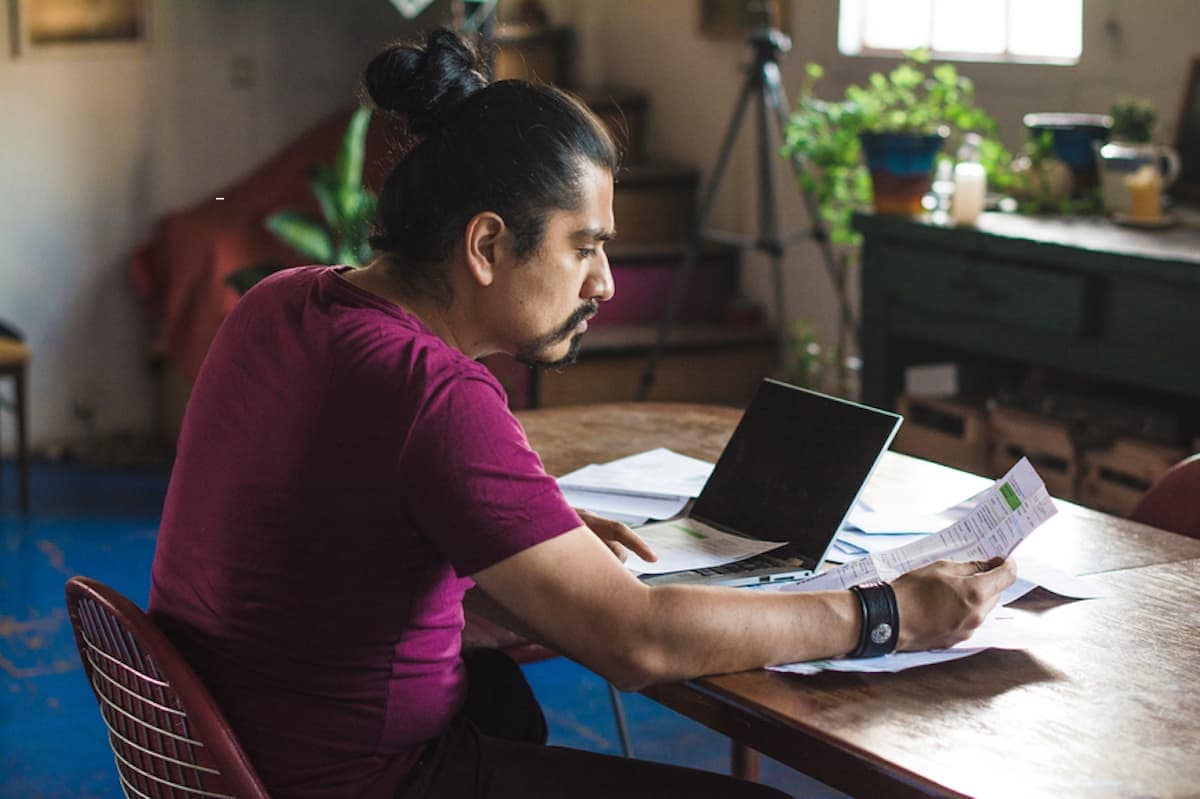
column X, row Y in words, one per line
column 618, row 550
column 634, row 542
column 609, row 532
column 997, row 577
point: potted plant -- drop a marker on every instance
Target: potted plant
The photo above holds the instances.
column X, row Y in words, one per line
column 341, row 235
column 899, row 122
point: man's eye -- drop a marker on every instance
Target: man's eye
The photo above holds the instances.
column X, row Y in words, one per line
column 586, row 252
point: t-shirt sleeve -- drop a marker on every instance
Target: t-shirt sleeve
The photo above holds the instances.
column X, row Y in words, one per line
column 474, row 487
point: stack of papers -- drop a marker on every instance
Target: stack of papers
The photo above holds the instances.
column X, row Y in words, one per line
column 1001, row 517
column 1004, row 514
column 656, row 484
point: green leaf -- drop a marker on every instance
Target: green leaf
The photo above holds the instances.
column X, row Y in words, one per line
column 321, row 184
column 349, row 165
column 303, row 234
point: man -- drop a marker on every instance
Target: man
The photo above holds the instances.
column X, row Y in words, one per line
column 347, row 470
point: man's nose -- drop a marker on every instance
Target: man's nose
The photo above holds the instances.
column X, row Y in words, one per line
column 599, row 285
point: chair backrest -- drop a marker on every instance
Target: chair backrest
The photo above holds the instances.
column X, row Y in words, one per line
column 1173, row 502
column 168, row 736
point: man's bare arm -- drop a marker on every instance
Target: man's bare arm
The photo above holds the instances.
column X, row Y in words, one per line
column 572, row 594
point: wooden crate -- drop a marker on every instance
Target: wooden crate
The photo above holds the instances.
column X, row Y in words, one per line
column 1115, row 478
column 1046, row 442
column 949, row 431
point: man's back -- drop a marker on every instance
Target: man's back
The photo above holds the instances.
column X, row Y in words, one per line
column 306, row 562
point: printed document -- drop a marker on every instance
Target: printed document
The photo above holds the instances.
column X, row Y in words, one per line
column 686, row 544
column 1002, row 629
column 654, row 473
column 1005, row 514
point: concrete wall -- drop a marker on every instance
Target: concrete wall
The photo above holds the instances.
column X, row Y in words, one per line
column 1139, row 47
column 95, row 146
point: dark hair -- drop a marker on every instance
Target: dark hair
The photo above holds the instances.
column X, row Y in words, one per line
column 512, row 147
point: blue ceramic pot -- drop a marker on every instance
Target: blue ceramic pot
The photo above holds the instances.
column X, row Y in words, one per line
column 1073, row 139
column 901, row 166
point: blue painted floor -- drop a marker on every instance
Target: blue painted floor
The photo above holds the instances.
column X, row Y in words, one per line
column 102, row 523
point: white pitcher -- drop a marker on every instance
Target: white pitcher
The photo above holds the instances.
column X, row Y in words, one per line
column 1119, row 161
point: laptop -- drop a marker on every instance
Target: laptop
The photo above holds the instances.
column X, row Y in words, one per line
column 791, row 472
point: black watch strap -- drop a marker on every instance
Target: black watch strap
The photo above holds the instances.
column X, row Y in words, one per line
column 881, row 620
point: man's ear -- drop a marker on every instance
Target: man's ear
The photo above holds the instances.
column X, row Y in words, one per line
column 482, row 241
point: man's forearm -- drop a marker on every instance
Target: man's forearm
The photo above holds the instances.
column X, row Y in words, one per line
column 687, row 631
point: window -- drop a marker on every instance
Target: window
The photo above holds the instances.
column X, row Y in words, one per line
column 1039, row 31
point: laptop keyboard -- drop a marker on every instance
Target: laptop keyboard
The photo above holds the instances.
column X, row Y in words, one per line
column 764, row 561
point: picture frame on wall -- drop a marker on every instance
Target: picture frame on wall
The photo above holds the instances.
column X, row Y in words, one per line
column 1187, row 138
column 77, row 26
column 733, row 19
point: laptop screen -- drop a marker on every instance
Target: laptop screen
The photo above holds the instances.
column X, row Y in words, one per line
column 794, row 467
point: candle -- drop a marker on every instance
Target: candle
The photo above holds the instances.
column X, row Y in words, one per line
column 970, row 186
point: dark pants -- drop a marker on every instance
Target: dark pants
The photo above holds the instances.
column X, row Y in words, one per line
column 497, row 748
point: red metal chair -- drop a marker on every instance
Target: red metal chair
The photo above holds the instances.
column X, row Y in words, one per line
column 169, row 739
column 1173, row 502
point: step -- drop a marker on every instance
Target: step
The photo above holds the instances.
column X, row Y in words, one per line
column 535, row 53
column 623, row 111
column 655, row 202
column 714, row 364
column 645, row 273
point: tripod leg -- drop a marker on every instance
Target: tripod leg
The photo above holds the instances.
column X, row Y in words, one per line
column 684, row 275
column 768, row 225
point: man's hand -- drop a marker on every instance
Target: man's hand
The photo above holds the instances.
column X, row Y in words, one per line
column 942, row 603
column 617, row 536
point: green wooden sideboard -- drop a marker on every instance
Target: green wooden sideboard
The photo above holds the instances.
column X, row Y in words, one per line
column 1077, row 294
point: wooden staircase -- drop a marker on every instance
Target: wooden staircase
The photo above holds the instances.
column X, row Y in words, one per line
column 718, row 352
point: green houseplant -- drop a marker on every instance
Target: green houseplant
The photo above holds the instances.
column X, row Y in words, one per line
column 829, row 137
column 1132, row 120
column 340, row 235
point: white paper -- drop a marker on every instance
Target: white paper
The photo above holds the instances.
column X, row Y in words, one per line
column 655, row 473
column 882, row 522
column 1002, row 629
column 866, row 543
column 611, row 505
column 1005, row 514
column 686, row 544
column 1040, row 574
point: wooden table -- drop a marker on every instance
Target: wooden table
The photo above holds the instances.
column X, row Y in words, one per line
column 1110, row 708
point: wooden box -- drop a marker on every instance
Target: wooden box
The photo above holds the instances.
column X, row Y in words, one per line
column 1046, row 442
column 1114, row 479
column 949, row 431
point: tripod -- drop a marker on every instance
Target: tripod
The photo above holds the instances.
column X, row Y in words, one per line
column 762, row 81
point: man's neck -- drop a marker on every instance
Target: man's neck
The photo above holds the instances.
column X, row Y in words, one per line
column 376, row 279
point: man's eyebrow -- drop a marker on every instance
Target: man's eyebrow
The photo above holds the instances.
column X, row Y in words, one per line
column 594, row 234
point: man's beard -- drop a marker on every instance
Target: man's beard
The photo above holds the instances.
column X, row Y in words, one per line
column 531, row 354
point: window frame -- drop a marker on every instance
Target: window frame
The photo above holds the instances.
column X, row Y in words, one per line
column 1006, row 57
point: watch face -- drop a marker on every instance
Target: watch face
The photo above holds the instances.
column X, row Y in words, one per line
column 881, row 633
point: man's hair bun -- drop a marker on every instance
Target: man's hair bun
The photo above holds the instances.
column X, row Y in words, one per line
column 424, row 81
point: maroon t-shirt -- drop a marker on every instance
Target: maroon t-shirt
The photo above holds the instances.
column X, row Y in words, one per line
column 340, row 474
